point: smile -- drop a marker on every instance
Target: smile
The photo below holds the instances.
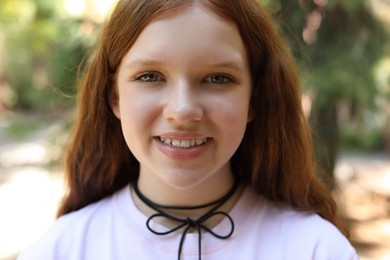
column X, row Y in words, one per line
column 183, row 143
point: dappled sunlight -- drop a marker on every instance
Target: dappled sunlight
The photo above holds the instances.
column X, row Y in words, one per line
column 381, row 9
column 96, row 10
column 23, row 154
column 28, row 202
column 30, row 190
column 365, row 200
column 372, row 175
column 74, row 7
column 373, row 239
column 378, row 229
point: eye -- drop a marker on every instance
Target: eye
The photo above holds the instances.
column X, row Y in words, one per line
column 219, row 79
column 148, row 77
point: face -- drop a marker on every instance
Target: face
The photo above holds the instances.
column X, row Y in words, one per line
column 183, row 99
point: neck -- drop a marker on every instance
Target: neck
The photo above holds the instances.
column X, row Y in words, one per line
column 187, row 211
column 168, row 191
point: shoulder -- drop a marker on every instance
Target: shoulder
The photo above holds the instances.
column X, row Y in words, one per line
column 70, row 233
column 305, row 231
column 301, row 234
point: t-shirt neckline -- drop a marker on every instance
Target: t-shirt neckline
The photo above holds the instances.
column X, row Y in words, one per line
column 135, row 220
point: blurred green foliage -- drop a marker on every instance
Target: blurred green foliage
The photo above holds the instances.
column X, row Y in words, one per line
column 43, row 49
column 19, row 129
column 338, row 45
column 358, row 140
column 344, row 41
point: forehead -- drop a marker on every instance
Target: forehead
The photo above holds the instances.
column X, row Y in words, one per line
column 192, row 28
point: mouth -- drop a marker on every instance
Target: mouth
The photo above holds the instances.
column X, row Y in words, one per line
column 184, row 144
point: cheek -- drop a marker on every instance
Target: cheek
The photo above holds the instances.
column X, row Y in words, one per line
column 136, row 120
column 137, row 113
column 231, row 110
column 230, row 117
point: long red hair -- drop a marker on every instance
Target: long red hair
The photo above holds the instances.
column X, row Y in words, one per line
column 275, row 157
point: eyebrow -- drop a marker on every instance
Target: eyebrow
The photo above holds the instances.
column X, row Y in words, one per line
column 227, row 64
column 141, row 63
column 154, row 63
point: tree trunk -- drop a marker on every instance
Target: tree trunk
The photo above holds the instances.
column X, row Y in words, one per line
column 323, row 121
column 387, row 129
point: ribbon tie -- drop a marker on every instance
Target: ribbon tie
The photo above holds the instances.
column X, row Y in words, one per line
column 188, row 223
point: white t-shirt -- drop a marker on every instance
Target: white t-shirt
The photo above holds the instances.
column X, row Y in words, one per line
column 114, row 229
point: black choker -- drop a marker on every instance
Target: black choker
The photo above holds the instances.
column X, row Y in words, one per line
column 189, row 223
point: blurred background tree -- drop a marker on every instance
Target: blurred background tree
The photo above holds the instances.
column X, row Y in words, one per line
column 42, row 47
column 339, row 43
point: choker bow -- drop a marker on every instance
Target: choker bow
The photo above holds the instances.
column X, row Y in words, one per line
column 188, row 223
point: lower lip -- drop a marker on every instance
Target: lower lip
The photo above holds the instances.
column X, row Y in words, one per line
column 177, row 153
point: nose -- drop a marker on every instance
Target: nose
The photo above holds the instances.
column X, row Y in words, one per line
column 183, row 105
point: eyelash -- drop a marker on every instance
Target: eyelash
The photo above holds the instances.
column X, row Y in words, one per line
column 226, row 79
column 146, row 77
column 149, row 74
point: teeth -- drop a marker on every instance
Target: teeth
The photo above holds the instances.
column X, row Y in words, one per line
column 199, row 141
column 176, row 142
column 183, row 143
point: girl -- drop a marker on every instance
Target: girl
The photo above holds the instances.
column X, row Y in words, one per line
column 190, row 143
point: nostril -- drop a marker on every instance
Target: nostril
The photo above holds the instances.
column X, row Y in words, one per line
column 190, row 113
